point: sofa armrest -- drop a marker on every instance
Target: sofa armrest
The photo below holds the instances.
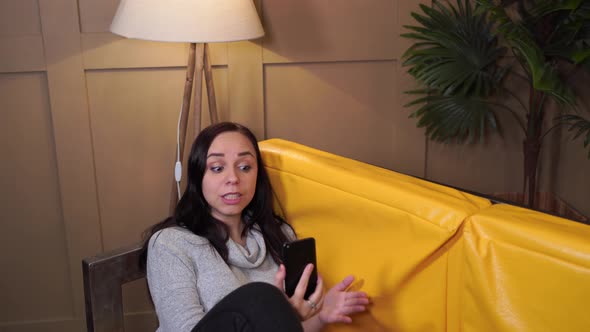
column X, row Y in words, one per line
column 104, row 275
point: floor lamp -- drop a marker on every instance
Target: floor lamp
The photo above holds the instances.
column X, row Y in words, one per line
column 197, row 22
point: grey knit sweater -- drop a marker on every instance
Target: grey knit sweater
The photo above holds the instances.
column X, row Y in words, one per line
column 187, row 277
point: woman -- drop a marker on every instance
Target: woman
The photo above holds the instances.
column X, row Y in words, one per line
column 213, row 264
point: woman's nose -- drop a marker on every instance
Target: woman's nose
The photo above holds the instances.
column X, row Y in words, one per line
column 232, row 177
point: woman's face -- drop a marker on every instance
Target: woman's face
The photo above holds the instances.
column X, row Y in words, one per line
column 229, row 181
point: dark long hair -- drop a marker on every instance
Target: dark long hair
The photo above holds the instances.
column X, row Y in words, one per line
column 193, row 213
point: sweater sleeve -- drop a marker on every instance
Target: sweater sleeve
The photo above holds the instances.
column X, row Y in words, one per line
column 172, row 280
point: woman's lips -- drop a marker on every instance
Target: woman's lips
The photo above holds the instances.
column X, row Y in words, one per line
column 231, row 198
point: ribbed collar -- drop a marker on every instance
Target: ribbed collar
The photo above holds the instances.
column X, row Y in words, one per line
column 251, row 258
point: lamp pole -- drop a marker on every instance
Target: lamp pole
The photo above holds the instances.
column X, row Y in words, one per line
column 199, row 62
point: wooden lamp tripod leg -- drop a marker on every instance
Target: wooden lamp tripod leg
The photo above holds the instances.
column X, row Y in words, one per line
column 183, row 122
column 210, row 87
column 198, row 62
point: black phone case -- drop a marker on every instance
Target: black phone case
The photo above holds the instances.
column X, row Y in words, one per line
column 296, row 256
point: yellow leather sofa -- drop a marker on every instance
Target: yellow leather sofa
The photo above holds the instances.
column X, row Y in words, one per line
column 432, row 258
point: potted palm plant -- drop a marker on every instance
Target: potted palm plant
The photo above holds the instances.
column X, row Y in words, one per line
column 465, row 54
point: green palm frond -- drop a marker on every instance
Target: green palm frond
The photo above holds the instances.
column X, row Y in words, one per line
column 454, row 118
column 546, row 7
column 456, row 52
column 580, row 125
column 543, row 75
column 455, row 59
column 570, row 38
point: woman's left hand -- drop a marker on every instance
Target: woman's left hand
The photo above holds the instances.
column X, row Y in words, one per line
column 339, row 304
column 305, row 308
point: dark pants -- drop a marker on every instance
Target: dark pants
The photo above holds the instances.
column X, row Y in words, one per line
column 254, row 307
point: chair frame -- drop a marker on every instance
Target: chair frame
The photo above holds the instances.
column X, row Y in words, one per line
column 104, row 276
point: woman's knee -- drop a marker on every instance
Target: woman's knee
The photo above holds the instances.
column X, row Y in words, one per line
column 261, row 291
column 263, row 306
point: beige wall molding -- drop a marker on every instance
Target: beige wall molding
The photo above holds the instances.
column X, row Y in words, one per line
column 73, row 144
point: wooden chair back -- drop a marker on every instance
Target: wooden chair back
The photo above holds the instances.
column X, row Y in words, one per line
column 104, row 276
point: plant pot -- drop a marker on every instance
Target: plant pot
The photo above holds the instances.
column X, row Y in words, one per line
column 546, row 202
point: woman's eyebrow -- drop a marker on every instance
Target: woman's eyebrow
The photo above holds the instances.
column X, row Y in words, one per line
column 217, row 154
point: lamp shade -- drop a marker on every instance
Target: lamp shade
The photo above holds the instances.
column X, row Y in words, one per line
column 194, row 21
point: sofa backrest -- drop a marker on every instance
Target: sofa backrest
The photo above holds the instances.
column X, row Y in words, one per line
column 514, row 269
column 387, row 228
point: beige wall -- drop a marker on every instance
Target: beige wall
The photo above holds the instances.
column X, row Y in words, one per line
column 88, row 122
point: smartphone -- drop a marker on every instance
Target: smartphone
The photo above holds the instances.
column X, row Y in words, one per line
column 296, row 256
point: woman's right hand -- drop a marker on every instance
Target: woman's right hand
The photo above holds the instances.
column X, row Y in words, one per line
column 305, row 308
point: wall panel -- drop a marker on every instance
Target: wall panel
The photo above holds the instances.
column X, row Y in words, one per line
column 409, row 148
column 405, row 8
column 21, row 43
column 96, row 15
column 312, row 30
column 134, row 115
column 571, row 176
column 21, row 54
column 19, row 17
column 246, row 86
column 73, row 143
column 572, row 181
column 35, row 252
column 345, row 108
column 493, row 166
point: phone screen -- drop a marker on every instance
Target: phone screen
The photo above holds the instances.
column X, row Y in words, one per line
column 296, row 256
